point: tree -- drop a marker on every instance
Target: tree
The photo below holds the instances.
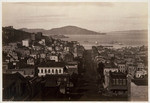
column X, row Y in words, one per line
column 74, row 78
column 100, row 70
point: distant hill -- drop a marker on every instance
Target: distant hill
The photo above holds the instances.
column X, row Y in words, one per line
column 32, row 30
column 130, row 32
column 66, row 30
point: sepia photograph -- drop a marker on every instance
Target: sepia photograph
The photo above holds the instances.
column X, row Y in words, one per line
column 74, row 51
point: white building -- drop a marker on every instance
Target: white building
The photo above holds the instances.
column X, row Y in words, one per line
column 140, row 74
column 66, row 49
column 122, row 68
column 140, row 66
column 107, row 70
column 50, row 70
column 42, row 42
column 106, row 74
column 132, row 70
column 100, row 59
column 54, row 57
column 25, row 43
column 50, row 48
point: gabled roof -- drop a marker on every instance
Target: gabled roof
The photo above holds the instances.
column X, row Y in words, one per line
column 51, row 64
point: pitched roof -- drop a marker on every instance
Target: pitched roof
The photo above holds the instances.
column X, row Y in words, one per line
column 117, row 75
column 51, row 64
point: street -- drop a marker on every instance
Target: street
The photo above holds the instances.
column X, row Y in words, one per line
column 85, row 90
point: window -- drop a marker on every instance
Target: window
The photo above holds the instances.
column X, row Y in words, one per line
column 124, row 81
column 41, row 70
column 59, row 70
column 48, row 70
column 56, row 71
column 45, row 71
column 120, row 81
column 52, row 70
column 114, row 82
column 117, row 82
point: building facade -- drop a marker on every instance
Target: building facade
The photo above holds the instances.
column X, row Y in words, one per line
column 50, row 71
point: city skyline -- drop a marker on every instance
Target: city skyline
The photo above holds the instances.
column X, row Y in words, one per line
column 96, row 16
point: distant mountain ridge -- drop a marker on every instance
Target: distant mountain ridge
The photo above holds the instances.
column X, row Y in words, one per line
column 32, row 30
column 130, row 31
column 66, row 30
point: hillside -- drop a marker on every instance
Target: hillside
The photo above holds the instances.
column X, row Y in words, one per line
column 66, row 30
column 9, row 34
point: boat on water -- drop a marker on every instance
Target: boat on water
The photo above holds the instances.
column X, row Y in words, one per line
column 116, row 42
column 96, row 42
column 120, row 44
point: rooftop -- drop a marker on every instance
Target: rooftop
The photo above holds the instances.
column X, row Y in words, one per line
column 117, row 75
column 51, row 64
column 110, row 65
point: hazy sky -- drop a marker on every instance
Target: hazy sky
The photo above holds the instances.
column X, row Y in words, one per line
column 99, row 16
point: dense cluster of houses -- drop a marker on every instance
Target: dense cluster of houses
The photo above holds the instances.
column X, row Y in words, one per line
column 36, row 58
column 121, row 67
column 38, row 62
